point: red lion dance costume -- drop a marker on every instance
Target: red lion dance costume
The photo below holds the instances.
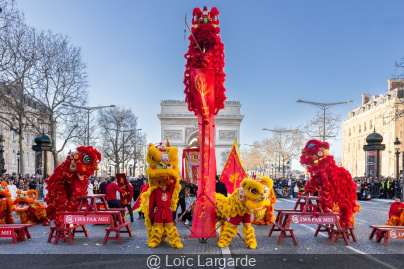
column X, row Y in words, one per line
column 338, row 191
column 6, row 205
column 69, row 181
column 205, row 50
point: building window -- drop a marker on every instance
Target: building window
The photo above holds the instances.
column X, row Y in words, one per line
column 13, row 157
column 359, row 128
column 27, row 160
column 33, row 160
column 12, row 135
column 370, row 125
column 364, row 126
column 349, row 131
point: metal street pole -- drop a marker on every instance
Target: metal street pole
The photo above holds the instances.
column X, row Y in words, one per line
column 88, row 127
column 89, row 109
column 2, row 162
column 324, row 107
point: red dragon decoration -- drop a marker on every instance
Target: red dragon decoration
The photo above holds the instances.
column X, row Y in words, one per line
column 205, row 50
column 69, row 181
column 338, row 191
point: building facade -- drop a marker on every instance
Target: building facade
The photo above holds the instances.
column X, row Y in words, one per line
column 180, row 126
column 383, row 114
column 12, row 156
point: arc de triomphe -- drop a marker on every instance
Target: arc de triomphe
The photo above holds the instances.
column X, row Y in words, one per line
column 180, row 127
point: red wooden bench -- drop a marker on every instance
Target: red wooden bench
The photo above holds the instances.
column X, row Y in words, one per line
column 118, row 232
column 287, row 217
column 386, row 232
column 335, row 233
column 17, row 232
column 74, row 220
column 280, row 225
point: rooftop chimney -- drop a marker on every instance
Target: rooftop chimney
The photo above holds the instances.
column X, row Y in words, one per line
column 365, row 98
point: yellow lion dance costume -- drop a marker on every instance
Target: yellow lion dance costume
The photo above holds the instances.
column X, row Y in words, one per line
column 253, row 196
column 162, row 171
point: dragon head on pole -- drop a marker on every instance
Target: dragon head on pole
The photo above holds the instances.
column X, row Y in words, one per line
column 205, row 50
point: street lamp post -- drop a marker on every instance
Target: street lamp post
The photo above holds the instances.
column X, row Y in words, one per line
column 324, row 107
column 2, row 162
column 130, row 170
column 397, row 144
column 89, row 109
column 18, row 162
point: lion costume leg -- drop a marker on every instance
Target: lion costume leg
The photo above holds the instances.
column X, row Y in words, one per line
column 229, row 231
column 393, row 221
column 156, row 233
column 401, row 222
column 249, row 235
column 172, row 234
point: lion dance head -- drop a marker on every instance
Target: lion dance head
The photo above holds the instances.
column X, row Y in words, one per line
column 83, row 162
column 314, row 152
column 28, row 209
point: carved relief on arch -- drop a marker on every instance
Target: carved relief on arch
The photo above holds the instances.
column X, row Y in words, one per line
column 193, row 135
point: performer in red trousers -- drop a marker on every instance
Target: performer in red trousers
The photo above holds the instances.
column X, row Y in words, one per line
column 396, row 215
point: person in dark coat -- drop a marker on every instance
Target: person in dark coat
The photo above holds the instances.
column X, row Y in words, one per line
column 181, row 198
column 103, row 187
column 220, row 186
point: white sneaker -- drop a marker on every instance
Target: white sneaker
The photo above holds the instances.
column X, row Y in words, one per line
column 186, row 222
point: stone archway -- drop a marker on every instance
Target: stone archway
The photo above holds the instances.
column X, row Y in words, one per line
column 179, row 126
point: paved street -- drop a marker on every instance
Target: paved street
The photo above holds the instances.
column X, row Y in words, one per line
column 372, row 212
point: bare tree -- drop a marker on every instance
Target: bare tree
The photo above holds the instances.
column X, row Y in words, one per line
column 58, row 83
column 138, row 141
column 313, row 129
column 287, row 144
column 17, row 60
column 118, row 127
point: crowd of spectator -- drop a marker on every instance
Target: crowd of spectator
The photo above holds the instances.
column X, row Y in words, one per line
column 24, row 183
column 385, row 187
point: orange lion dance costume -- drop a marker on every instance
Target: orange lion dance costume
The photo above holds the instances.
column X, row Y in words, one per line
column 69, row 181
column 28, row 209
column 338, row 191
column 396, row 214
column 6, row 205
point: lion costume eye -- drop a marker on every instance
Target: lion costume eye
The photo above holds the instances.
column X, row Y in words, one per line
column 87, row 158
column 254, row 191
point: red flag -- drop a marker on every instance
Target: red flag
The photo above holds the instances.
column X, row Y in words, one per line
column 123, row 184
column 233, row 171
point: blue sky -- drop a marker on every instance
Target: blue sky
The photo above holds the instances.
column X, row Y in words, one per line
column 276, row 52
